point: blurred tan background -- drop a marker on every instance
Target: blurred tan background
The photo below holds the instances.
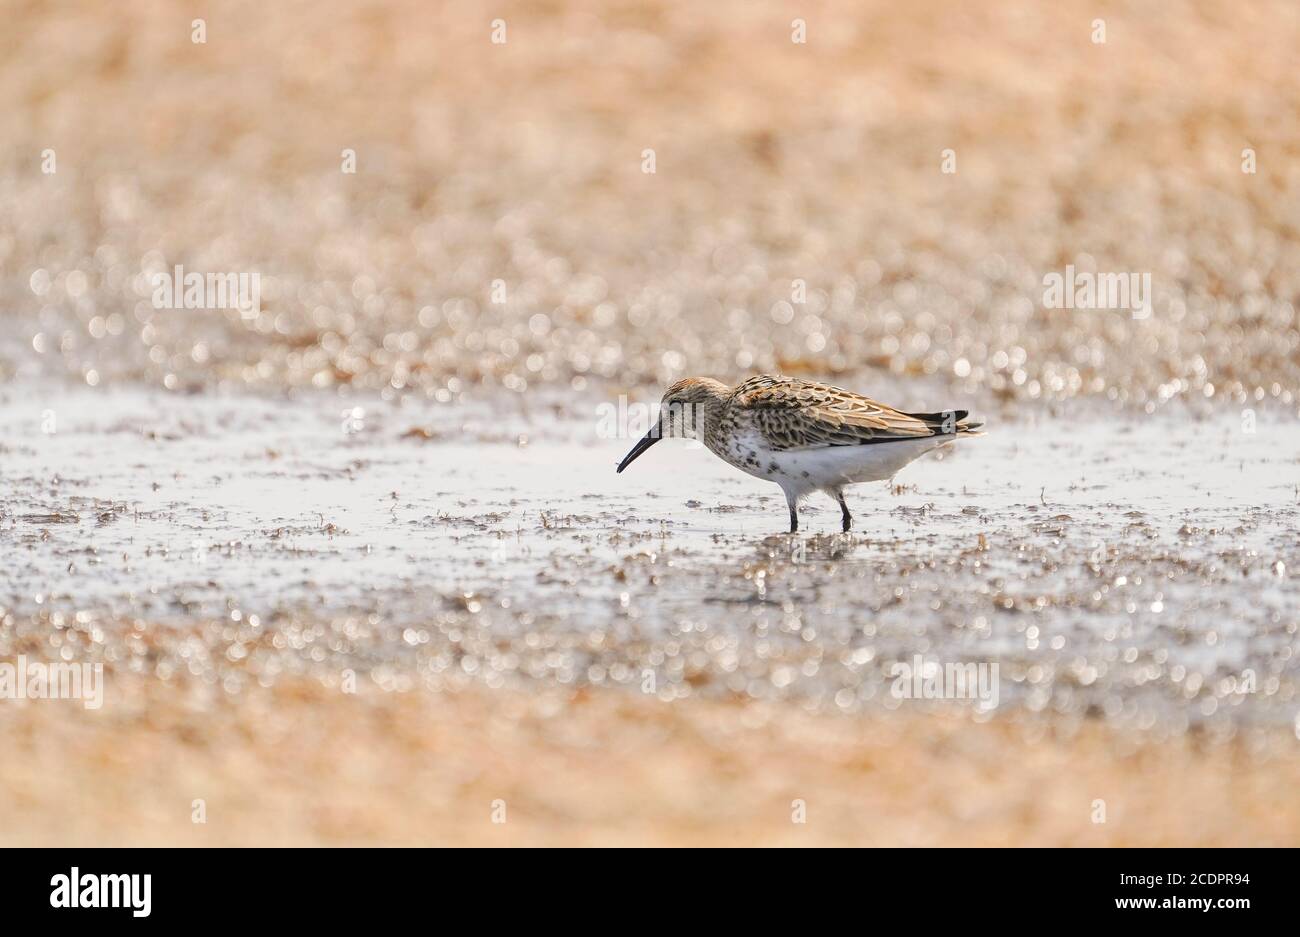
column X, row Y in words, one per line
column 775, row 160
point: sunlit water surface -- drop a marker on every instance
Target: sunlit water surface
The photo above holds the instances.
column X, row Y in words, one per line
column 1137, row 569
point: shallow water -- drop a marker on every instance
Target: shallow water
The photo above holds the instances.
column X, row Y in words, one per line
column 1137, row 569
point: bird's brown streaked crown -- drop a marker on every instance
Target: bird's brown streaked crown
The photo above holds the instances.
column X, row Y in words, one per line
column 696, row 390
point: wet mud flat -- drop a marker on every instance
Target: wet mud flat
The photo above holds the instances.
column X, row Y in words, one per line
column 1139, row 571
column 357, row 621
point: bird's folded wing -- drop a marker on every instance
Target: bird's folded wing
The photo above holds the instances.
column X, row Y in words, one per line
column 794, row 414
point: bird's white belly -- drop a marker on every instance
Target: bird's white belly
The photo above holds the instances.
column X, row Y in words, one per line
column 830, row 467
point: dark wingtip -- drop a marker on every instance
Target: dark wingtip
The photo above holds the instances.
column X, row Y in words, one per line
column 941, row 416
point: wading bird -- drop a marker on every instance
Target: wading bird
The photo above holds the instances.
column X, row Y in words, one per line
column 802, row 435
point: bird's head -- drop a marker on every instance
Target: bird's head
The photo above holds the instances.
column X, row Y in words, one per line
column 685, row 408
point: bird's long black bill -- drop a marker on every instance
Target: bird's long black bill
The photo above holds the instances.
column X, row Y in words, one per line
column 646, row 441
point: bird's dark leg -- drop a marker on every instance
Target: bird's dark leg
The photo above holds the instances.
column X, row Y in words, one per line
column 845, row 516
column 794, row 513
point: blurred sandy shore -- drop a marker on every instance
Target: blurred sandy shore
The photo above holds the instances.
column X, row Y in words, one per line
column 500, row 231
column 305, row 765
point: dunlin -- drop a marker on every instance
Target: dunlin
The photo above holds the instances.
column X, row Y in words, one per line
column 802, row 435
